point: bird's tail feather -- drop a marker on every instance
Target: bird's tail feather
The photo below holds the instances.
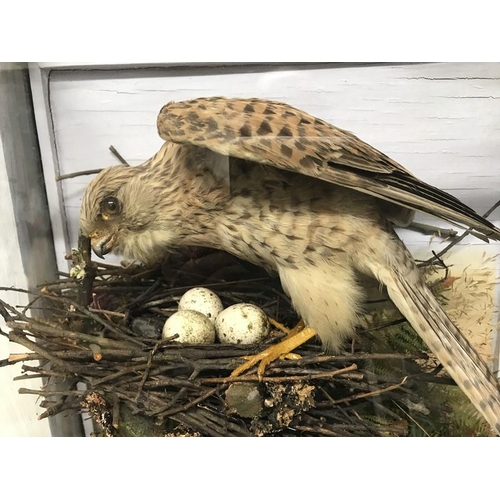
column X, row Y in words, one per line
column 417, row 303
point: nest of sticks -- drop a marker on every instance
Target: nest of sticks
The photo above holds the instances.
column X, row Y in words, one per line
column 99, row 330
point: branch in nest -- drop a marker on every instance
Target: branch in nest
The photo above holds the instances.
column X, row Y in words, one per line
column 372, row 393
column 437, row 256
column 327, row 375
column 77, row 174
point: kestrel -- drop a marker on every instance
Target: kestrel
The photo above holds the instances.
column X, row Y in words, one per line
column 292, row 193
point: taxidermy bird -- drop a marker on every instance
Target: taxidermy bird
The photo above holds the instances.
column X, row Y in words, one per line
column 311, row 202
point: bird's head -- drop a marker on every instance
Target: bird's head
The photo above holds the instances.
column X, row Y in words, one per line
column 120, row 214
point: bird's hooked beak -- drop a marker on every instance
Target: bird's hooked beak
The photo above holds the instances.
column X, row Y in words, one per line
column 102, row 244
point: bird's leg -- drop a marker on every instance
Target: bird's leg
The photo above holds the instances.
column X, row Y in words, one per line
column 289, row 332
column 291, row 342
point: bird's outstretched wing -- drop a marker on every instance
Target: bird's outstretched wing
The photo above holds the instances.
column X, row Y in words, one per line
column 280, row 135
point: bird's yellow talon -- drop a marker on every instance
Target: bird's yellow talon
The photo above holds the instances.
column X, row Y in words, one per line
column 289, row 331
column 276, row 351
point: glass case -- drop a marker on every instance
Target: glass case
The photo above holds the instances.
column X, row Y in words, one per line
column 291, row 197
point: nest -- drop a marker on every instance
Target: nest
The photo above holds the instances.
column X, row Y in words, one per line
column 99, row 329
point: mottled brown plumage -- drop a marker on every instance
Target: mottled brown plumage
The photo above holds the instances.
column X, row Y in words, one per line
column 298, row 196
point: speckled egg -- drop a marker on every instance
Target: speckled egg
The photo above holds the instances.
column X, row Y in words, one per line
column 202, row 300
column 192, row 327
column 242, row 324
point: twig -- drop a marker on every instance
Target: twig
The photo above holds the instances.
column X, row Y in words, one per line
column 118, row 155
column 7, row 311
column 16, row 336
column 19, row 357
column 194, row 402
column 115, row 410
column 147, row 370
column 41, row 371
column 85, row 291
column 376, row 356
column 106, row 312
column 78, row 174
column 29, row 305
column 412, row 419
column 194, row 422
column 370, row 394
column 319, row 430
column 58, row 407
column 427, row 229
column 96, row 352
column 110, row 326
column 220, row 419
column 460, row 238
column 43, row 392
column 17, row 315
column 59, row 332
column 290, row 378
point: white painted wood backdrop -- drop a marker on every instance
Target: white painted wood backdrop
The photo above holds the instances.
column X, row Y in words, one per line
column 441, row 121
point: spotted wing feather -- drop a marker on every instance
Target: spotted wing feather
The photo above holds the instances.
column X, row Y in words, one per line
column 280, row 135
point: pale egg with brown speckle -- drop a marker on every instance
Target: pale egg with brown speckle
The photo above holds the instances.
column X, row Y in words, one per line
column 192, row 327
column 242, row 324
column 202, row 300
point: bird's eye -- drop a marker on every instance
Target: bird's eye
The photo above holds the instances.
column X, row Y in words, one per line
column 110, row 206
